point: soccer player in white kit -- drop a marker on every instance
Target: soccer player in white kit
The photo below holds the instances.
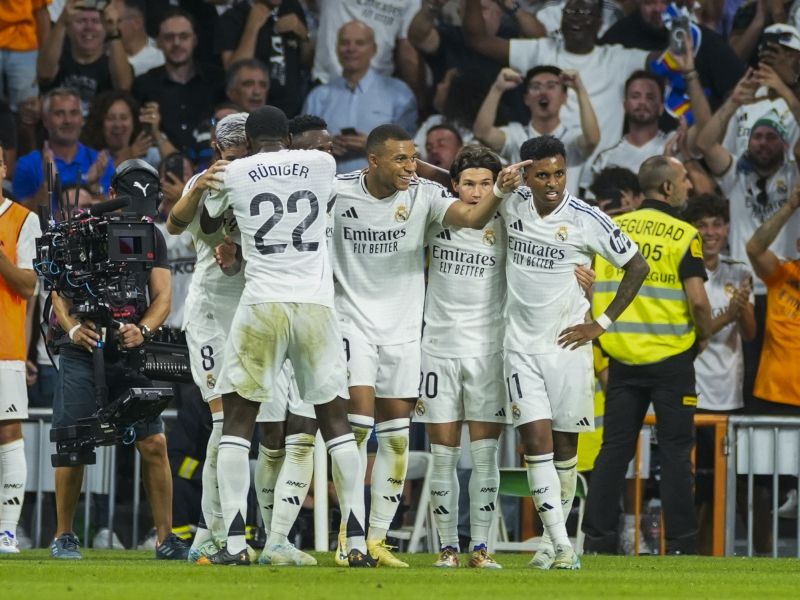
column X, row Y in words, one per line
column 210, row 305
column 286, row 311
column 378, row 228
column 548, row 360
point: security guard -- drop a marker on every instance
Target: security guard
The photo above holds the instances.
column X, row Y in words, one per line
column 652, row 346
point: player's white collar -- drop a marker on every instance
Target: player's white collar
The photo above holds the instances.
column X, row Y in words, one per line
column 564, row 201
column 363, row 181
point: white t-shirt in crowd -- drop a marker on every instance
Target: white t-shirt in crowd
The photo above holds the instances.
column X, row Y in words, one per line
column 549, row 15
column 182, row 259
column 389, row 19
column 422, row 134
column 212, row 295
column 147, row 58
column 719, row 369
column 517, row 134
column 279, row 201
column 466, row 291
column 376, row 246
column 624, row 154
column 544, row 296
column 738, row 135
column 603, row 72
column 739, row 185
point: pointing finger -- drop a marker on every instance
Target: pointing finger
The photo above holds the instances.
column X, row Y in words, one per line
column 519, row 165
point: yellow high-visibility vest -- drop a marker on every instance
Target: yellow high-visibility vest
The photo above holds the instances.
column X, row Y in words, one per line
column 657, row 324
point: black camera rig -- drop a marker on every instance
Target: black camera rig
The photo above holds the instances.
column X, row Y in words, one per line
column 95, row 259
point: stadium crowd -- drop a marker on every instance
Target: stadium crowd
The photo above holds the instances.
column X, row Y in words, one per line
column 88, row 85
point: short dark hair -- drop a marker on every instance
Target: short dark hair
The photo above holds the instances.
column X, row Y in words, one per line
column 654, row 172
column 543, row 146
column 649, row 75
column 178, row 12
column 615, row 178
column 475, row 156
column 267, row 123
column 137, row 5
column 246, row 63
column 553, row 70
column 383, row 133
column 302, row 123
column 446, row 127
column 706, row 205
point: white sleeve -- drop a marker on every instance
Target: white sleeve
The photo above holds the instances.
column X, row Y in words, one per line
column 624, row 61
column 26, row 244
column 217, row 201
column 523, row 55
column 727, row 181
column 605, row 238
column 438, row 200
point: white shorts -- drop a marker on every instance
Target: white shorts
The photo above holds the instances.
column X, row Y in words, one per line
column 459, row 389
column 206, row 341
column 393, row 371
column 13, row 390
column 557, row 386
column 287, row 402
column 264, row 335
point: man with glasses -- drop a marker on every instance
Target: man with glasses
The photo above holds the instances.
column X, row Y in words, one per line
column 186, row 92
column 142, row 51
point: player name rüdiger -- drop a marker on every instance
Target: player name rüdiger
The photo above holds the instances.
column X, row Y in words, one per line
column 293, row 170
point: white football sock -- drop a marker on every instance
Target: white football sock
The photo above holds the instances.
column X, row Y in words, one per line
column 268, row 467
column 292, row 486
column 209, row 500
column 483, row 485
column 14, row 472
column 568, row 477
column 546, row 492
column 444, row 493
column 349, row 482
column 388, row 475
column 362, row 429
column 233, row 475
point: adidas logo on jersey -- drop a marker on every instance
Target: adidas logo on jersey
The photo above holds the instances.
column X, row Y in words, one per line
column 395, row 499
column 517, row 225
column 500, row 413
column 350, row 212
column 445, row 235
column 544, row 508
column 12, row 502
column 12, row 409
column 292, row 500
column 584, row 422
column 441, row 511
column 488, row 508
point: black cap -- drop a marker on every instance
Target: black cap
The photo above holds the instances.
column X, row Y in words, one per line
column 140, row 181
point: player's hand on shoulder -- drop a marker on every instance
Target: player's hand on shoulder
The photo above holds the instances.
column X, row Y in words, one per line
column 577, row 336
column 211, row 179
column 510, row 178
column 226, row 253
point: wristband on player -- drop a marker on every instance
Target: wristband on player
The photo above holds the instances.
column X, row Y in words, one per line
column 604, row 321
column 498, row 192
column 73, row 330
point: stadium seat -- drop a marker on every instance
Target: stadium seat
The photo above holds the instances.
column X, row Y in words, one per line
column 420, row 466
column 514, row 482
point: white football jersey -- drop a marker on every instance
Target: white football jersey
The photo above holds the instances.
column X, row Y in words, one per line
column 544, row 296
column 719, row 369
column 466, row 291
column 212, row 294
column 376, row 246
column 279, row 200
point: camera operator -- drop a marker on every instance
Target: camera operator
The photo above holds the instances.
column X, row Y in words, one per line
column 74, row 397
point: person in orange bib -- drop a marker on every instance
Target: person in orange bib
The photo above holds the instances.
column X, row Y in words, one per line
column 19, row 229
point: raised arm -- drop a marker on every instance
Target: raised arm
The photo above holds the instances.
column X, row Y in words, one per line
column 184, row 210
column 483, row 128
column 120, row 69
column 478, row 38
column 708, row 139
column 743, row 41
column 422, row 31
column 257, row 17
column 590, row 138
column 50, row 52
column 476, row 216
column 763, row 259
column 636, row 270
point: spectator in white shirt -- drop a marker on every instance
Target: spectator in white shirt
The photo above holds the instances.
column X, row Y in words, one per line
column 143, row 53
column 546, row 90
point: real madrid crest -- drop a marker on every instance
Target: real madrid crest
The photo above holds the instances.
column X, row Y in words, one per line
column 420, row 408
column 515, row 412
column 210, row 381
column 561, row 234
column 730, row 290
column 401, row 214
column 488, row 237
column 781, row 186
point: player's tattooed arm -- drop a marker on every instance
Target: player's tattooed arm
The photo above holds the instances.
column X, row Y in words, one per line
column 636, row 270
column 229, row 257
column 476, row 216
column 184, row 210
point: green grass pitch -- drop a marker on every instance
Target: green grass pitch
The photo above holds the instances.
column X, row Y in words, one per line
column 106, row 575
